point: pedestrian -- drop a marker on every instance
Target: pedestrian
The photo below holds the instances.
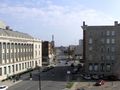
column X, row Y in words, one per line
column 30, row 76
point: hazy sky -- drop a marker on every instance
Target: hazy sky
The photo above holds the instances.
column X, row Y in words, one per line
column 62, row 18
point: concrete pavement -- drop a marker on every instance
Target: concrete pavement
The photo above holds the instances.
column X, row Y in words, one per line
column 48, row 80
column 87, row 85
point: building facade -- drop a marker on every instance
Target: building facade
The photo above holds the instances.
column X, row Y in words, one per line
column 18, row 52
column 47, row 53
column 101, row 49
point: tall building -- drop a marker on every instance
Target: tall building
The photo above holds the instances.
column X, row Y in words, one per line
column 101, row 49
column 47, row 52
column 18, row 52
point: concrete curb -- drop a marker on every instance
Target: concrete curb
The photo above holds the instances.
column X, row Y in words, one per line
column 15, row 83
column 72, row 88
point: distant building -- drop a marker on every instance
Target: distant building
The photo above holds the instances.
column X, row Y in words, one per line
column 61, row 53
column 76, row 51
column 102, row 49
column 19, row 52
column 81, row 42
column 47, row 52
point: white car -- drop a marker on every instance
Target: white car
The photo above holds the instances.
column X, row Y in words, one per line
column 3, row 87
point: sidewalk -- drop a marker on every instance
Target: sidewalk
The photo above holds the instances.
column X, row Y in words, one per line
column 79, row 85
column 11, row 82
column 25, row 76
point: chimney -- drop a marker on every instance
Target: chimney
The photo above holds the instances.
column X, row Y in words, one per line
column 7, row 27
column 116, row 23
column 83, row 23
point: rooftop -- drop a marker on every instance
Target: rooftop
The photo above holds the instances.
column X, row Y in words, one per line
column 6, row 31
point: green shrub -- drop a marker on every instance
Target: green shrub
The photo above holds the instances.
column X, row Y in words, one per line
column 69, row 84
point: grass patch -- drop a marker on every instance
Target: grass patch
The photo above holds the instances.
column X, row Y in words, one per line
column 69, row 84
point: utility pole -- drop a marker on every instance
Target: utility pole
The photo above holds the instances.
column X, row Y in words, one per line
column 39, row 71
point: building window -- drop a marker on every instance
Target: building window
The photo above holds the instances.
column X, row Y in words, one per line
column 90, row 48
column 4, row 45
column 0, row 71
column 102, row 50
column 90, row 67
column 102, row 33
column 113, row 33
column 25, row 65
column 108, row 41
column 108, row 33
column 32, row 63
column 112, row 41
column 5, row 71
column 113, row 49
column 90, row 57
column 96, row 67
column 90, row 41
column 108, row 67
column 108, row 57
column 16, row 67
column 102, row 57
column 3, row 56
column 22, row 65
column 13, row 68
column 35, row 46
column 9, row 69
column 103, row 40
column 8, row 55
column 112, row 57
column 35, row 53
column 19, row 66
column 102, row 67
column 108, row 49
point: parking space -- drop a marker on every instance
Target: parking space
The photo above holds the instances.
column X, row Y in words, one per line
column 88, row 85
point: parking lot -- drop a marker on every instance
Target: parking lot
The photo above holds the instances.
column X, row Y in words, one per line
column 89, row 85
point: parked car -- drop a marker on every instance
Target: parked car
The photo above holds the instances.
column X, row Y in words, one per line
column 87, row 77
column 95, row 77
column 3, row 87
column 72, row 65
column 112, row 78
column 75, row 71
column 45, row 69
column 99, row 83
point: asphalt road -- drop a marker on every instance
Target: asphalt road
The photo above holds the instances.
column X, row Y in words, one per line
column 54, row 79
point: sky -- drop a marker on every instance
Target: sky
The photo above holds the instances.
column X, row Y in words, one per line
column 61, row 18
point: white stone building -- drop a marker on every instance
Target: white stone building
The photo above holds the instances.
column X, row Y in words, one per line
column 18, row 52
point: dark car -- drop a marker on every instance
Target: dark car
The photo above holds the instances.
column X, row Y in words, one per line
column 112, row 78
column 45, row 69
column 72, row 65
column 95, row 77
column 75, row 71
column 99, row 83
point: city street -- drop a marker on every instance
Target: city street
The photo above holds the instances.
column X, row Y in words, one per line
column 54, row 79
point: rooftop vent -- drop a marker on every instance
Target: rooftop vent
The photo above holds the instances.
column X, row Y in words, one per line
column 7, row 27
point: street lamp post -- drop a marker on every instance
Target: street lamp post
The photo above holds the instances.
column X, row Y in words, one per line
column 39, row 69
column 68, row 75
column 39, row 72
